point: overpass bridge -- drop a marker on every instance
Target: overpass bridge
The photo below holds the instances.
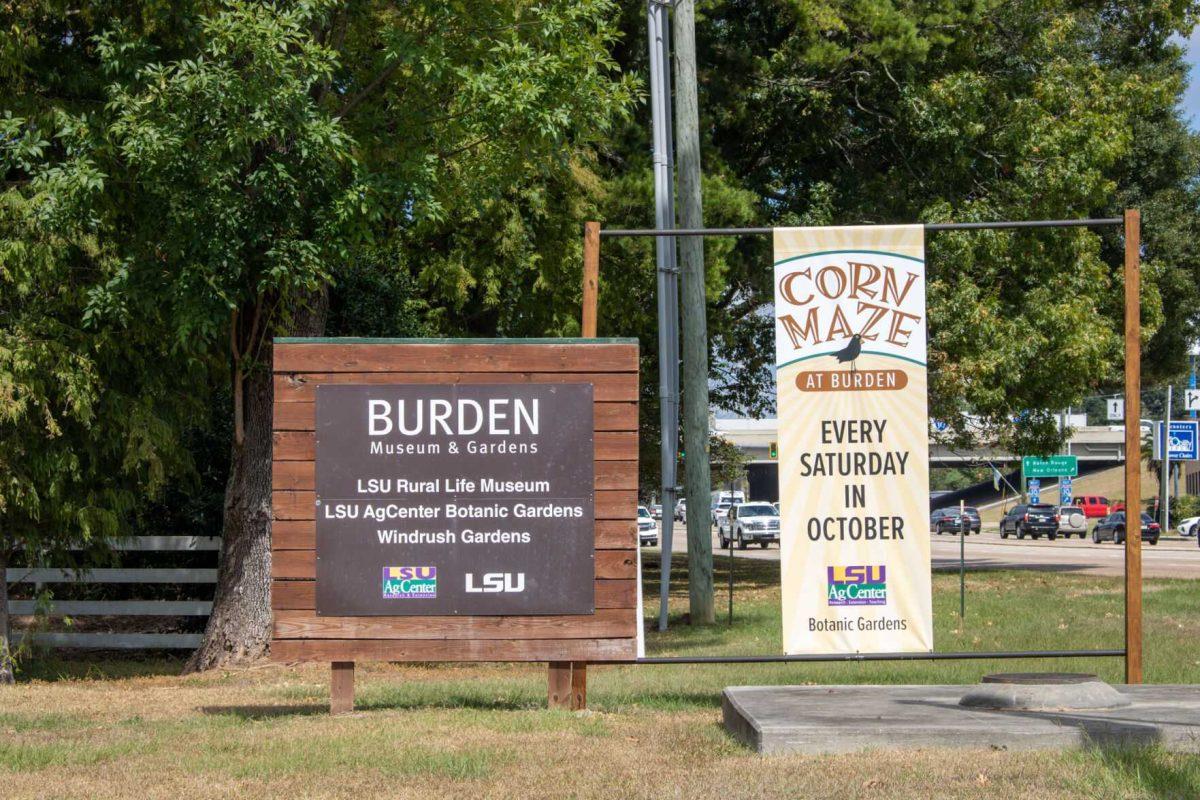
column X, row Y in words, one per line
column 1096, row 446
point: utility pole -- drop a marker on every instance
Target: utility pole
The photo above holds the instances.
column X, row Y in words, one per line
column 698, row 486
column 658, row 26
column 1163, row 494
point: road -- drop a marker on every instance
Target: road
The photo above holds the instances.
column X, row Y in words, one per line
column 1171, row 558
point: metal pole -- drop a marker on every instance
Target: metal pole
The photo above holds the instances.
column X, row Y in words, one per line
column 1133, row 446
column 931, row 227
column 1164, row 493
column 818, row 659
column 730, row 555
column 658, row 28
column 962, row 563
column 694, row 307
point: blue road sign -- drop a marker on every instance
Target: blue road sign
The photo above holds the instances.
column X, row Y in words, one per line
column 1183, row 440
column 1064, row 491
column 1035, row 490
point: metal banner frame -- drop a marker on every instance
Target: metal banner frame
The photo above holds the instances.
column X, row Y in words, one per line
column 1130, row 222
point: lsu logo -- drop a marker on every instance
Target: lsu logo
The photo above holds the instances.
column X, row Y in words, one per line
column 403, row 583
column 497, row 582
column 857, row 585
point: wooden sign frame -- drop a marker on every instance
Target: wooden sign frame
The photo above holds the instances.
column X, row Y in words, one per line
column 568, row 643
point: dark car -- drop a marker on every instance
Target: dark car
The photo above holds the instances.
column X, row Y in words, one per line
column 1113, row 527
column 946, row 520
column 1032, row 519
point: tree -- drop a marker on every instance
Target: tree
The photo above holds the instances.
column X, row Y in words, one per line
column 240, row 163
column 1011, row 110
column 867, row 112
column 727, row 462
column 843, row 113
column 86, row 427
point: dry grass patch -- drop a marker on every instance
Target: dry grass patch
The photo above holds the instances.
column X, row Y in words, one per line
column 236, row 735
column 137, row 731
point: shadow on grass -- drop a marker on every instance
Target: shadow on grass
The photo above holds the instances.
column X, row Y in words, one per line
column 748, row 573
column 258, row 712
column 96, row 665
column 600, row 700
column 659, row 700
column 448, row 702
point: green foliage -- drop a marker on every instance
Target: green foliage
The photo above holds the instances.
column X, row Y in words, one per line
column 83, row 428
column 180, row 172
column 284, row 141
column 477, row 123
column 376, row 295
column 833, row 112
column 727, row 462
column 1184, row 506
column 182, row 178
column 954, row 478
column 231, row 174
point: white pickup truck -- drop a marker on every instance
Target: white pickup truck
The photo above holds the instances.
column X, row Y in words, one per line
column 749, row 522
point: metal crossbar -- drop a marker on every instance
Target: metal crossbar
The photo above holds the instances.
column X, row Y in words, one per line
column 933, row 656
column 1099, row 222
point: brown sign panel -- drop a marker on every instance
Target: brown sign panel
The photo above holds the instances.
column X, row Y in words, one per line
column 455, row 499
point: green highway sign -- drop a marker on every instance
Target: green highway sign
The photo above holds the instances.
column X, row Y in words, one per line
column 1050, row 467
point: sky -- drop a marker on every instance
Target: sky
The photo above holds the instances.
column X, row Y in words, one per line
column 1191, row 99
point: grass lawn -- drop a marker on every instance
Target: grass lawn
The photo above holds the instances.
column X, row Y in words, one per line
column 135, row 729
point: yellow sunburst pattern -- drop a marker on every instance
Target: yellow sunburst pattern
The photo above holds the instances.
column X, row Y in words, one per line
column 855, row 547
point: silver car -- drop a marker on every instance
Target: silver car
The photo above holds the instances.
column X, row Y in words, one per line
column 1071, row 521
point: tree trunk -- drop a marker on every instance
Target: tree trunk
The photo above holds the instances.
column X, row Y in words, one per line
column 6, row 663
column 239, row 628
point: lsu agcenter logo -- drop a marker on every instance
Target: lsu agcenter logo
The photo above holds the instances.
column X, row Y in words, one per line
column 404, row 583
column 857, row 585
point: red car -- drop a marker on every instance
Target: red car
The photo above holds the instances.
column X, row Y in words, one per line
column 1094, row 506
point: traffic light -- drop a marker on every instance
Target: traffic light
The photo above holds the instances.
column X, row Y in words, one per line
column 773, row 450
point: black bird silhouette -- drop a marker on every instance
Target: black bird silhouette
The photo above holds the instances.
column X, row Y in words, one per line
column 851, row 351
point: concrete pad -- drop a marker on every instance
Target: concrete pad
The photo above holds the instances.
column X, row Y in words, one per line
column 842, row 719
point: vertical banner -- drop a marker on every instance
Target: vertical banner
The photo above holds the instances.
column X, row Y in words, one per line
column 850, row 361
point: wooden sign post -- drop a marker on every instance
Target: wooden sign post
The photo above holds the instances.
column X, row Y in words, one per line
column 455, row 500
column 1133, row 446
